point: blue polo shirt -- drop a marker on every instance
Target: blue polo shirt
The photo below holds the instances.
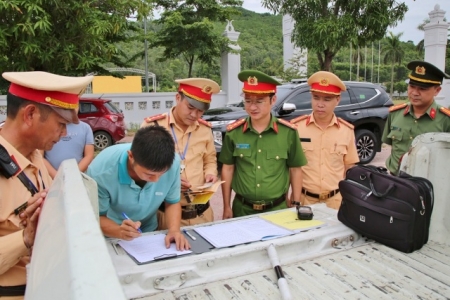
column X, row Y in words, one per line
column 118, row 193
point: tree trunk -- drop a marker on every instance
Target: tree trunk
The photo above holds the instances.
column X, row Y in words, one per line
column 357, row 65
column 325, row 63
column 190, row 62
column 392, row 79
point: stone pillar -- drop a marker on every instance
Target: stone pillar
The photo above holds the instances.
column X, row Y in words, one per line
column 289, row 49
column 230, row 68
column 435, row 43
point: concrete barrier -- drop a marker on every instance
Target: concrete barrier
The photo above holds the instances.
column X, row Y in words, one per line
column 70, row 258
column 429, row 157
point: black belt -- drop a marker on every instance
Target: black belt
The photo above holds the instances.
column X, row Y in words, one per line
column 189, row 211
column 192, row 211
column 322, row 196
column 262, row 204
column 11, row 291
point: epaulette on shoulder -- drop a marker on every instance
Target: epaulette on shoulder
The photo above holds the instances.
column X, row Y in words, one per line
column 287, row 124
column 445, row 111
column 155, row 118
column 397, row 107
column 346, row 123
column 206, row 123
column 298, row 119
column 235, row 125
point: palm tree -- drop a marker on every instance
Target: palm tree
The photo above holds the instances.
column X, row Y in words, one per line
column 357, row 57
column 393, row 53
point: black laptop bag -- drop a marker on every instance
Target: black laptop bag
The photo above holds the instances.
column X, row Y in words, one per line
column 392, row 210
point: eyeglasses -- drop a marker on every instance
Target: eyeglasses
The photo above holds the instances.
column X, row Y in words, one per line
column 257, row 102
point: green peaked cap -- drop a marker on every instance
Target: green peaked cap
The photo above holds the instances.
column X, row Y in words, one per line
column 257, row 82
column 262, row 77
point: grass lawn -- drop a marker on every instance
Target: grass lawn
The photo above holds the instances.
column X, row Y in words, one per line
column 400, row 101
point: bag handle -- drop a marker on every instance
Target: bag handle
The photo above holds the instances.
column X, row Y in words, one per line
column 374, row 191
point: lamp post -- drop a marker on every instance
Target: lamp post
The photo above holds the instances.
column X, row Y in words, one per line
column 145, row 54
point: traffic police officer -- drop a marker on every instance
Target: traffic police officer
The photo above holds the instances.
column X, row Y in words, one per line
column 261, row 154
column 39, row 105
column 194, row 143
column 328, row 142
column 420, row 115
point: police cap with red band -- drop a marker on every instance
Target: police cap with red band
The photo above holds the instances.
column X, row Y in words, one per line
column 256, row 82
column 198, row 91
column 327, row 83
column 61, row 93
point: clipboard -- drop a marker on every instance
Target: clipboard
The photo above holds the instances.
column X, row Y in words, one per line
column 149, row 248
column 199, row 245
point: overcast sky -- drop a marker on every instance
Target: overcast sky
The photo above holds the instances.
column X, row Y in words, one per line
column 417, row 11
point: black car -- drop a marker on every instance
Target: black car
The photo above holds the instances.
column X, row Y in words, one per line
column 365, row 105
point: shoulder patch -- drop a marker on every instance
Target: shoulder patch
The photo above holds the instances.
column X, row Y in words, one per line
column 445, row 111
column 206, row 123
column 342, row 121
column 155, row 118
column 287, row 124
column 235, row 125
column 298, row 119
column 397, row 107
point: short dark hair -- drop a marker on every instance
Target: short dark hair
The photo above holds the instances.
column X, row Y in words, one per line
column 153, row 148
column 14, row 104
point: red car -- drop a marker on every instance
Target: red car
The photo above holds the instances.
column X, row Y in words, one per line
column 105, row 119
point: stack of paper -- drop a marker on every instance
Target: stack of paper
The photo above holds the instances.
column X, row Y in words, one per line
column 240, row 232
column 289, row 220
column 202, row 194
column 150, row 247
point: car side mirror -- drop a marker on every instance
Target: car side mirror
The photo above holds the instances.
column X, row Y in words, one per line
column 287, row 108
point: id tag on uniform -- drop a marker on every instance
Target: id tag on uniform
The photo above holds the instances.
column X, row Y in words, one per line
column 242, row 146
column 182, row 167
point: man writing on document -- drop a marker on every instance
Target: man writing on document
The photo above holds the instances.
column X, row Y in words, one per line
column 133, row 180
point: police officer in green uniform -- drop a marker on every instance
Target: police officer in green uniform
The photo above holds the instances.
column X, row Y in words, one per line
column 420, row 115
column 261, row 154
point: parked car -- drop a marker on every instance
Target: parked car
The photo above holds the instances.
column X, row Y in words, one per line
column 106, row 121
column 365, row 105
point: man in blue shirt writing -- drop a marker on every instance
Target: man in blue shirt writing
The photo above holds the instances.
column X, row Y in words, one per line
column 133, row 180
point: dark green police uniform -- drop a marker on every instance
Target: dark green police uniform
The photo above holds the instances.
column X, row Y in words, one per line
column 261, row 161
column 402, row 127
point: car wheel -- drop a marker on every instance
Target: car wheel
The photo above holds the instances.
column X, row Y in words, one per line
column 366, row 142
column 102, row 140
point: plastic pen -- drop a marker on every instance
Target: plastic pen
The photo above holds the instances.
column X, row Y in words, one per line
column 126, row 217
column 189, row 235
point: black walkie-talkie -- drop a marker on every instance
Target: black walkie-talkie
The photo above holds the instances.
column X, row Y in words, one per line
column 7, row 166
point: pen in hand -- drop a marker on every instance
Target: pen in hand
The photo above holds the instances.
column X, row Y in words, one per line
column 189, row 235
column 126, row 217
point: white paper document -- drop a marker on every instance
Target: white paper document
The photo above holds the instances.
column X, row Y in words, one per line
column 240, row 232
column 150, row 247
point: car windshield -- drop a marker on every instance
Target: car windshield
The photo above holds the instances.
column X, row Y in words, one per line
column 112, row 108
column 282, row 92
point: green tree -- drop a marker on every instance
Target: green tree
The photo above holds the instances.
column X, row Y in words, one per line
column 67, row 37
column 327, row 26
column 400, row 87
column 393, row 53
column 187, row 30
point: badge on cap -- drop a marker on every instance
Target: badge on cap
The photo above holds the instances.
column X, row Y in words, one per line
column 252, row 80
column 207, row 89
column 324, row 82
column 420, row 70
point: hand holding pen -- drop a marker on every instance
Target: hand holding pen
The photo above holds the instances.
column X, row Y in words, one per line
column 129, row 228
